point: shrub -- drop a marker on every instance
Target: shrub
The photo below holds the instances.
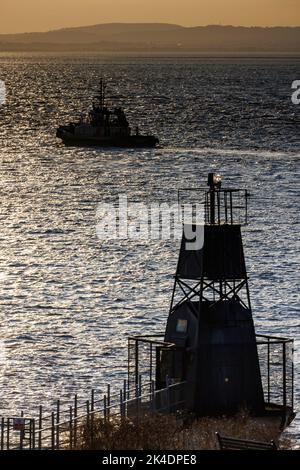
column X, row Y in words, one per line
column 173, row 432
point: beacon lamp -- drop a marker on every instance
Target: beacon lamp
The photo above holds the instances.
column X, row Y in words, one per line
column 214, row 181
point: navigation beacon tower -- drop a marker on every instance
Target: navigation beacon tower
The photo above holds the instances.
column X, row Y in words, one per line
column 212, row 318
column 210, row 347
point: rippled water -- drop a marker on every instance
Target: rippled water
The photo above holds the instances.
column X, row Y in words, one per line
column 68, row 300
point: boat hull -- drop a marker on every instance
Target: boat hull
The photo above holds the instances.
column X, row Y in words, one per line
column 132, row 141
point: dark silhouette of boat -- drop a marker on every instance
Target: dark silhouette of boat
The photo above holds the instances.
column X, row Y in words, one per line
column 104, row 127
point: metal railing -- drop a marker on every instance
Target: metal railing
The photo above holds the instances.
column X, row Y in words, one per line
column 277, row 369
column 220, row 206
column 275, row 356
column 143, row 354
column 64, row 427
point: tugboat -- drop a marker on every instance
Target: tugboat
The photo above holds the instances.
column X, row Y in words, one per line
column 104, row 127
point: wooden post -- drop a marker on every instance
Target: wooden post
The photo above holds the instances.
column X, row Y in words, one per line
column 268, row 370
column 125, row 389
column 58, row 411
column 21, row 434
column 93, row 400
column 150, row 396
column 33, row 434
column 151, row 359
column 121, row 404
column 7, row 434
column 140, row 394
column 2, row 433
column 128, row 359
column 136, row 361
column 284, row 374
column 125, row 397
column 53, row 430
column 30, row 433
column 108, row 401
column 88, row 427
column 75, row 421
column 71, row 428
column 40, row 426
column 57, row 423
column 92, row 415
column 104, row 409
column 292, row 358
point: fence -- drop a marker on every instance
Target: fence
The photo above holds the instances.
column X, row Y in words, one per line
column 144, row 357
column 277, row 369
column 275, row 360
column 62, row 428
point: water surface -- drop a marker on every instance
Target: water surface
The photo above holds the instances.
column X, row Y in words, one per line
column 69, row 300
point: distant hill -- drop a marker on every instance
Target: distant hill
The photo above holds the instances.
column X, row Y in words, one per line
column 142, row 37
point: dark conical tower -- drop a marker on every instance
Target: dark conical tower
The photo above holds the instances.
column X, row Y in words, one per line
column 210, row 316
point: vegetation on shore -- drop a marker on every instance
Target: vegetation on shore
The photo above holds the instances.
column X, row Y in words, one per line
column 172, row 432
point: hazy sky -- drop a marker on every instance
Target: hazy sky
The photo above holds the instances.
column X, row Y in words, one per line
column 42, row 15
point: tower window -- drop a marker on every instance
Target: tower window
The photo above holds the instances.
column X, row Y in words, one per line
column 181, row 326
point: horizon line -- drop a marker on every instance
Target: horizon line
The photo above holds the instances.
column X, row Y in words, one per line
column 151, row 23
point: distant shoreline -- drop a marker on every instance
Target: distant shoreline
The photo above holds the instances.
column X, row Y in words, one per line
column 155, row 54
column 159, row 39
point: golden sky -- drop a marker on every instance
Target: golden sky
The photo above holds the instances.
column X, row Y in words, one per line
column 42, row 15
